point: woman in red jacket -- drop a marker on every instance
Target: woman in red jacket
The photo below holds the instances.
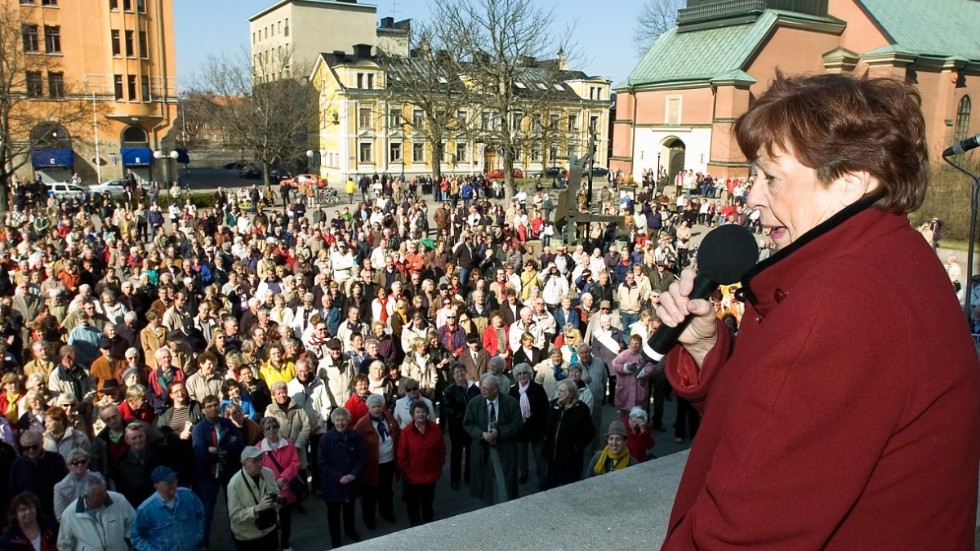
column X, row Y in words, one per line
column 421, row 453
column 283, row 459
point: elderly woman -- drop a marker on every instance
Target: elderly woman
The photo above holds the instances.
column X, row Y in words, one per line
column 33, row 416
column 633, row 371
column 421, row 453
column 27, row 529
column 343, row 458
column 638, row 437
column 161, row 377
column 569, row 432
column 282, row 459
column 59, row 436
column 832, row 360
column 533, row 403
column 379, row 430
column 419, row 365
column 67, row 490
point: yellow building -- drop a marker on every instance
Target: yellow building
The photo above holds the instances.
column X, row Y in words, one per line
column 114, row 63
column 364, row 130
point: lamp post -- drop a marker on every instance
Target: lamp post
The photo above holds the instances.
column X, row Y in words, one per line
column 309, row 161
column 165, row 159
column 656, row 179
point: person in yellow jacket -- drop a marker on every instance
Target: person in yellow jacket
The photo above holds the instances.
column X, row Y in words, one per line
column 350, row 188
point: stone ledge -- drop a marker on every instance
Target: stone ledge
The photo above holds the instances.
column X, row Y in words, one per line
column 622, row 508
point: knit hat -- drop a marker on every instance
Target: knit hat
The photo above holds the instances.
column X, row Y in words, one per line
column 616, row 428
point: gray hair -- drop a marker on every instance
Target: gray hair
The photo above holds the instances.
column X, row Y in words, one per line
column 75, row 454
column 498, row 362
column 575, row 367
column 277, row 385
column 489, row 378
column 638, row 413
column 522, row 368
column 375, row 400
column 130, row 316
column 90, row 481
column 339, row 412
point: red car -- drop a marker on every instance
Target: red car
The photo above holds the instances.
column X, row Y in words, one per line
column 498, row 174
column 302, row 180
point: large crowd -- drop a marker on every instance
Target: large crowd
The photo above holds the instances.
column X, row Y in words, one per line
column 156, row 355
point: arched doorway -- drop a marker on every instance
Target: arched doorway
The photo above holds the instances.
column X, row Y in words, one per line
column 489, row 159
column 135, row 153
column 52, row 157
column 675, row 157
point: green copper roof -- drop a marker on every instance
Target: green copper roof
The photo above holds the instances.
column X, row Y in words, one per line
column 935, row 28
column 706, row 54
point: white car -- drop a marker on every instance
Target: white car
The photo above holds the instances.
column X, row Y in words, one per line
column 114, row 188
column 66, row 190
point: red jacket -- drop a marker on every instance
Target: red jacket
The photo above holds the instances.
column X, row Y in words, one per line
column 365, row 427
column 420, row 456
column 288, row 458
column 637, row 442
column 846, row 415
column 357, row 407
column 490, row 339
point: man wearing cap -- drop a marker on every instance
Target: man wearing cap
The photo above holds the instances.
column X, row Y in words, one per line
column 251, row 491
column 100, row 519
column 475, row 358
column 615, row 456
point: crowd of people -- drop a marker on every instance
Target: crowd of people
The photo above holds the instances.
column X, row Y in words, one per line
column 267, row 353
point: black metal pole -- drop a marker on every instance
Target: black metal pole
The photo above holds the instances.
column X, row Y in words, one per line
column 974, row 204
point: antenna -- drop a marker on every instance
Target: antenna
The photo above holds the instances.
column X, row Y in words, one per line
column 394, row 9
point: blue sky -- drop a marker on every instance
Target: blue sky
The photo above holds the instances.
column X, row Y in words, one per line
column 603, row 30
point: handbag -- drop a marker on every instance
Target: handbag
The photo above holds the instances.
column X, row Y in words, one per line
column 297, row 485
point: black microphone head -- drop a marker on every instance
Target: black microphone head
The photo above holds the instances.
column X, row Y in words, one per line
column 727, row 253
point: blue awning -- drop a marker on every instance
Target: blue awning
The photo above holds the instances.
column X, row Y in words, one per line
column 137, row 156
column 50, row 157
column 182, row 157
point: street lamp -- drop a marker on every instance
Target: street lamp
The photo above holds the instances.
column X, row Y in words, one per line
column 165, row 158
column 656, row 179
column 309, row 161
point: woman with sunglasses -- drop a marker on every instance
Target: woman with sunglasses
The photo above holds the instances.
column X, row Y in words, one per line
column 66, row 491
column 282, row 458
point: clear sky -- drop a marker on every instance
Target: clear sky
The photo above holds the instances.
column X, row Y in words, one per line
column 603, row 29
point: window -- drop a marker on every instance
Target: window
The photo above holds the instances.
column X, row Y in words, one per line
column 364, row 118
column 113, row 4
column 485, row 120
column 49, row 2
column 365, row 152
column 418, row 119
column 553, row 152
column 418, row 152
column 536, row 123
column 286, row 30
column 962, row 118
column 593, row 123
column 520, row 85
column 672, row 111
column 145, row 87
column 535, row 155
column 253, row 38
column 52, row 39
column 141, row 6
column 143, row 46
column 118, row 87
column 370, row 83
column 394, row 118
column 131, row 81
column 27, row 2
column 461, row 153
column 442, row 151
column 395, row 152
column 130, row 44
column 116, row 43
column 461, row 118
column 553, row 121
column 34, row 87
column 56, row 85
column 280, row 27
column 515, row 120
column 31, row 43
column 572, row 122
column 360, row 80
column 128, row 5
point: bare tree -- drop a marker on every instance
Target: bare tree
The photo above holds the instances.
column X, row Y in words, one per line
column 430, row 82
column 500, row 41
column 656, row 17
column 23, row 109
column 258, row 107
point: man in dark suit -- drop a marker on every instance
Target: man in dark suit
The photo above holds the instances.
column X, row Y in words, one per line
column 493, row 422
column 510, row 309
column 475, row 358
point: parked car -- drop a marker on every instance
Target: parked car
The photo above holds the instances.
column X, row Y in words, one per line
column 301, row 180
column 236, row 165
column 250, row 172
column 66, row 190
column 555, row 172
column 498, row 174
column 114, row 188
column 600, row 172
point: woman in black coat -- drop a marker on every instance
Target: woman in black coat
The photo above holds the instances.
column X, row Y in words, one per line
column 534, row 409
column 342, row 459
column 569, row 432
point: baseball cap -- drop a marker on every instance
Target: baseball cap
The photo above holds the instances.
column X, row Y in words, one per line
column 163, row 474
column 251, row 452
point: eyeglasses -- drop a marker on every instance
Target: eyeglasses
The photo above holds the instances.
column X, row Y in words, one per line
column 321, row 328
column 270, row 427
column 412, row 389
column 33, row 447
column 78, row 462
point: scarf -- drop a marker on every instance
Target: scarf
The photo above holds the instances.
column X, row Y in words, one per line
column 525, row 402
column 622, row 460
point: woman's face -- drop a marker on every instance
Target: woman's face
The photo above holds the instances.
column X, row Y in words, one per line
column 375, row 410
column 78, row 466
column 616, row 443
column 419, row 415
column 26, row 515
column 361, row 387
column 340, row 422
column 792, row 200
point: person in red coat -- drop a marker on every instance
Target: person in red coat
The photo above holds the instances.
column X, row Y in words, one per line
column 846, row 413
column 379, row 430
column 357, row 403
column 638, row 437
column 496, row 337
column 421, row 453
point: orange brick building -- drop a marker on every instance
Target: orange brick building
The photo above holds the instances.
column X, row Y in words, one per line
column 676, row 109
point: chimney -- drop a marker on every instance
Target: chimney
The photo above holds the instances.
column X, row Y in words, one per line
column 387, row 22
column 362, row 51
column 339, row 56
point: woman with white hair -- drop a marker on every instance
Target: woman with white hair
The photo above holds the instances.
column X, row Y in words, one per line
column 569, row 432
column 638, row 437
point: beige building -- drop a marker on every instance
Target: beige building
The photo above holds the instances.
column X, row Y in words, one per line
column 112, row 63
column 363, row 130
column 291, row 34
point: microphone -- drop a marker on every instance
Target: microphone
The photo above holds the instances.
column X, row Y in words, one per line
column 725, row 255
column 962, row 146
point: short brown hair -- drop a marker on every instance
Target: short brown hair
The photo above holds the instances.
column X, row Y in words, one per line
column 836, row 124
